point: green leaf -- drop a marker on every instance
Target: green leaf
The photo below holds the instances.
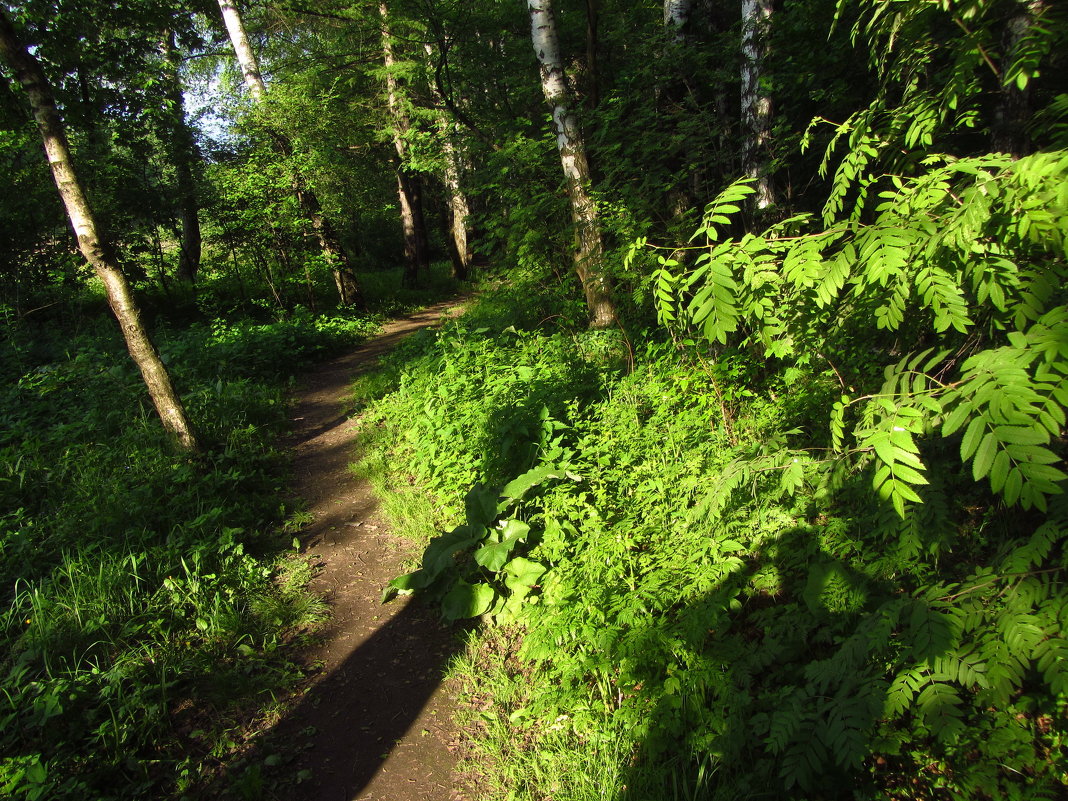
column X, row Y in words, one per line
column 1021, row 435
column 955, row 419
column 984, row 456
column 999, row 471
column 972, row 438
column 516, row 489
column 494, row 555
column 405, row 585
column 467, row 600
column 480, row 505
column 523, row 573
column 438, row 555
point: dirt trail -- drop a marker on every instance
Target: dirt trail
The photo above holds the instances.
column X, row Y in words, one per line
column 375, row 723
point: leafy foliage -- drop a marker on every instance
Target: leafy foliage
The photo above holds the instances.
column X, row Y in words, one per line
column 140, row 592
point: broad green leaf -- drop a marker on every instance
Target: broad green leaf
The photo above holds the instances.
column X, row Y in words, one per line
column 516, row 489
column 438, row 555
column 480, row 505
column 522, row 572
column 467, row 600
column 494, row 555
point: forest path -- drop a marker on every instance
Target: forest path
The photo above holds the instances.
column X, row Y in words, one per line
column 375, row 721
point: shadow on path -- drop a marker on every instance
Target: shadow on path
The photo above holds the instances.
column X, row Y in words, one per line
column 374, row 722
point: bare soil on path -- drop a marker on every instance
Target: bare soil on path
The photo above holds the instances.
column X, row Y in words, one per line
column 375, row 722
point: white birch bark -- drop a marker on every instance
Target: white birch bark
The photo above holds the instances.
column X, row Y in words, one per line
column 91, row 242
column 336, row 256
column 756, row 106
column 246, row 59
column 676, row 15
column 589, row 252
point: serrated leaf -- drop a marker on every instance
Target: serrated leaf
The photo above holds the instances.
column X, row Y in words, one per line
column 984, row 456
column 955, row 419
column 1013, row 482
column 972, row 437
column 1021, row 435
column 999, row 471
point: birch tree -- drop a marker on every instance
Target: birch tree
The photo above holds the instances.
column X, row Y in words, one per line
column 676, row 15
column 91, row 242
column 589, row 246
column 756, row 105
column 334, row 252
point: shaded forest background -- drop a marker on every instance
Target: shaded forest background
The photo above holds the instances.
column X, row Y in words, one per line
column 749, row 456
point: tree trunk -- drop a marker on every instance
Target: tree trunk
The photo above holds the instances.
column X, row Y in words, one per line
column 246, row 59
column 677, row 84
column 676, row 15
column 756, row 106
column 409, row 184
column 589, row 249
column 1013, row 112
column 329, row 242
column 184, row 155
column 458, row 212
column 29, row 74
column 457, row 206
column 593, row 82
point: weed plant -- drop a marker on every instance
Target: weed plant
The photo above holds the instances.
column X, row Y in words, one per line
column 663, row 623
column 146, row 601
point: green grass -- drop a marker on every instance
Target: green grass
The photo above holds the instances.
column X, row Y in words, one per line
column 148, row 602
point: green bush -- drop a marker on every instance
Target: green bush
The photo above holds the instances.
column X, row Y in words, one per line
column 682, row 602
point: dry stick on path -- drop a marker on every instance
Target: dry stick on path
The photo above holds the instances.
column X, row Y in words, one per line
column 91, row 241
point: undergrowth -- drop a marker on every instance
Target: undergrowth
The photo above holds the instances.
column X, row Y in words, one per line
column 662, row 623
column 146, row 601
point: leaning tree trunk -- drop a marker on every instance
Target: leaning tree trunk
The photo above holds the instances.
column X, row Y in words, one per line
column 333, row 251
column 756, row 105
column 409, row 183
column 589, row 248
column 184, row 155
column 29, row 74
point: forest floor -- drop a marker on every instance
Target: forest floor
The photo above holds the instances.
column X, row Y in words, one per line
column 374, row 721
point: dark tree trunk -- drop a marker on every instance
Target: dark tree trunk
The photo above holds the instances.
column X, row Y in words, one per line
column 409, row 184
column 185, row 156
column 1013, row 112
